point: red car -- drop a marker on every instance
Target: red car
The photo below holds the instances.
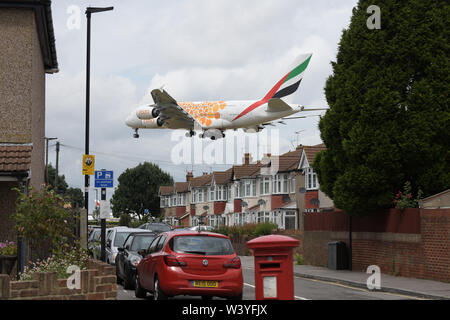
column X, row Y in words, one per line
column 190, row 263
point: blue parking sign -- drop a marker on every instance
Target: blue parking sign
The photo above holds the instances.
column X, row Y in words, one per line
column 104, row 179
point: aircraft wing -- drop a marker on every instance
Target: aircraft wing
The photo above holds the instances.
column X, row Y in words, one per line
column 172, row 114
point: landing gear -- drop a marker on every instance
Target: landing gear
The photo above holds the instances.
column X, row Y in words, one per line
column 190, row 134
column 213, row 134
column 136, row 135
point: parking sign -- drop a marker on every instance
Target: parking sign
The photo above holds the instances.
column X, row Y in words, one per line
column 104, row 179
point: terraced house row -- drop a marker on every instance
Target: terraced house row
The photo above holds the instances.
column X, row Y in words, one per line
column 276, row 189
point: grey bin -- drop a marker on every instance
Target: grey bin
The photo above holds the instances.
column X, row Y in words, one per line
column 337, row 255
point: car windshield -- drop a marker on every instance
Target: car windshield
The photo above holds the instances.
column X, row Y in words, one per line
column 95, row 235
column 120, row 238
column 141, row 242
column 205, row 245
column 158, row 227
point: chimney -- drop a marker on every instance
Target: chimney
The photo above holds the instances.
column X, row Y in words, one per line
column 205, row 173
column 300, row 146
column 189, row 176
column 247, row 158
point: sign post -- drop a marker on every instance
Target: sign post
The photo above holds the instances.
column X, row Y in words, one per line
column 103, row 179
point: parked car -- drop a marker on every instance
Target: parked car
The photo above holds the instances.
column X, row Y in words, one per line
column 190, row 263
column 96, row 245
column 115, row 239
column 93, row 240
column 156, row 227
column 129, row 256
column 202, row 228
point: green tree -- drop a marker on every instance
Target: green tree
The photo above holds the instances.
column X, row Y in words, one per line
column 138, row 190
column 389, row 115
column 61, row 183
column 74, row 195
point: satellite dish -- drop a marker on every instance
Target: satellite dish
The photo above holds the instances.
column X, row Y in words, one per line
column 261, row 202
column 205, row 207
column 302, row 190
column 314, row 201
column 244, row 204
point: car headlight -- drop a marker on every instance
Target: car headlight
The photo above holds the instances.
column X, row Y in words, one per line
column 135, row 261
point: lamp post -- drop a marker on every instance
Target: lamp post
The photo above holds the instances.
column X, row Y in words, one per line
column 89, row 11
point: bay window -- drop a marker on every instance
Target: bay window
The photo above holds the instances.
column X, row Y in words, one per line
column 280, row 184
column 311, row 179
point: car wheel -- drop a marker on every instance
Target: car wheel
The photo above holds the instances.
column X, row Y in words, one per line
column 139, row 292
column 119, row 279
column 129, row 281
column 238, row 297
column 158, row 294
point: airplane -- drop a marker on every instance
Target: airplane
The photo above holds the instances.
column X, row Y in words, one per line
column 213, row 118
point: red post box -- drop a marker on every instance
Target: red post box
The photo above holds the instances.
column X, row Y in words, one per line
column 274, row 267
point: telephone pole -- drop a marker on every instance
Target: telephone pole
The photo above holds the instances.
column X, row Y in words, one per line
column 57, row 165
column 46, row 157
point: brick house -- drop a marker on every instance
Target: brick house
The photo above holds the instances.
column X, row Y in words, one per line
column 276, row 189
column 27, row 53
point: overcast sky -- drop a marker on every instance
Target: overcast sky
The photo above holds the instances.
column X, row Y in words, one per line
column 198, row 50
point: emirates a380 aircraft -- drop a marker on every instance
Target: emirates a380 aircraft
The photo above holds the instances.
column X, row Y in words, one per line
column 214, row 117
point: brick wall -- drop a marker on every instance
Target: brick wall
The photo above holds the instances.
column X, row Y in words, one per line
column 413, row 243
column 7, row 207
column 98, row 282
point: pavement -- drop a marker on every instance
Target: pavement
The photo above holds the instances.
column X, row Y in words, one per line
column 421, row 288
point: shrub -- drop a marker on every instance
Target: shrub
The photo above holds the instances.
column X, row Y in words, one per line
column 298, row 259
column 264, row 228
column 405, row 199
column 58, row 262
column 8, row 248
column 45, row 219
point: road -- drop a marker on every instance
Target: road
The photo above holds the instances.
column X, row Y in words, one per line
column 304, row 289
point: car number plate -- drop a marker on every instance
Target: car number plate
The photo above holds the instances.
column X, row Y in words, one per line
column 205, row 284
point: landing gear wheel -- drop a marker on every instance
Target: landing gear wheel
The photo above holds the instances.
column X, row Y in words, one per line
column 190, row 134
column 213, row 137
column 201, row 135
column 136, row 135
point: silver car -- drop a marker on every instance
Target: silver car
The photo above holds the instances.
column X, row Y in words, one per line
column 116, row 239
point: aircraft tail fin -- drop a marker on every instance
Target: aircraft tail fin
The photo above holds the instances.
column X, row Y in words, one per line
column 286, row 88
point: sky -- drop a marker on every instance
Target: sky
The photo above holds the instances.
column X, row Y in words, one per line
column 197, row 50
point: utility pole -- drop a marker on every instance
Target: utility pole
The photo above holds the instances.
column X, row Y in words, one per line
column 103, row 229
column 57, row 166
column 46, row 157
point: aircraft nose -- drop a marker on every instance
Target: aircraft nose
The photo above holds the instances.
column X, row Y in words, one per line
column 131, row 120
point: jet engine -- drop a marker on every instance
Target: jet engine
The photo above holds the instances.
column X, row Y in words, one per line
column 147, row 112
column 159, row 122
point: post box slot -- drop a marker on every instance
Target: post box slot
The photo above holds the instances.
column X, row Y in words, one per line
column 270, row 266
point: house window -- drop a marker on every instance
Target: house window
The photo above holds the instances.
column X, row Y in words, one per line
column 293, row 184
column 311, row 179
column 263, row 217
column 248, row 188
column 221, row 194
column 280, row 183
column 211, row 194
column 264, row 187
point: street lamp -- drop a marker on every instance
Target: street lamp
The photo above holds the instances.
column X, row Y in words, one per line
column 89, row 11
